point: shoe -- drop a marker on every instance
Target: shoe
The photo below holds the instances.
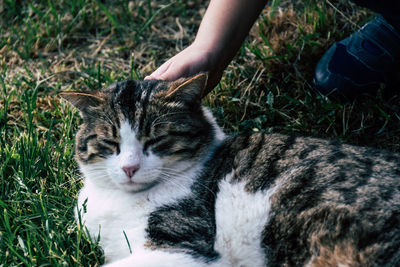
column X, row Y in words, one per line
column 360, row 63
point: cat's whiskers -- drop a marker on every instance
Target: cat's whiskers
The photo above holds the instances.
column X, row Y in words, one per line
column 72, row 181
column 171, row 177
column 175, row 178
column 177, row 185
column 164, row 115
column 96, row 169
column 96, row 172
column 162, row 122
column 175, row 174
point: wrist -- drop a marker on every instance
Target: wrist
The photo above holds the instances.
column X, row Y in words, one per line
column 213, row 52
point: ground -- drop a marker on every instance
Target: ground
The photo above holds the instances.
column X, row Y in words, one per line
column 51, row 46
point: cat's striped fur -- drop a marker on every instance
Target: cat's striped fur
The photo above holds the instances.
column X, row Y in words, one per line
column 197, row 198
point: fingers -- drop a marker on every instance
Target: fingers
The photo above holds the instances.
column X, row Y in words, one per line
column 188, row 62
column 150, row 78
column 158, row 73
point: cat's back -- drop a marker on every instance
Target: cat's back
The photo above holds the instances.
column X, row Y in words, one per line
column 307, row 201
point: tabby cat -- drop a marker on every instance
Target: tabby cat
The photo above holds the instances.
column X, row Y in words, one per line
column 165, row 187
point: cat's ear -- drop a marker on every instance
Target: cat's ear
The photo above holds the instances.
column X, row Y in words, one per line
column 188, row 90
column 83, row 101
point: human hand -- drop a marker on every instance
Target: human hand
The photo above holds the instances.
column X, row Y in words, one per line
column 188, row 62
column 222, row 30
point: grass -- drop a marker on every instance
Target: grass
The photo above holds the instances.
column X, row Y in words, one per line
column 49, row 46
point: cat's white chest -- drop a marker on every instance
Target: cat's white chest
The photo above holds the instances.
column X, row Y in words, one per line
column 119, row 217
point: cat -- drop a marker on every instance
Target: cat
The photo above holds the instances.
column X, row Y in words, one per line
column 164, row 186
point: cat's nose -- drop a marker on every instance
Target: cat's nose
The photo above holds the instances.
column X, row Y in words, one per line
column 130, row 170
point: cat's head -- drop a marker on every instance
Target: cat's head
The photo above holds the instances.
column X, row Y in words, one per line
column 136, row 134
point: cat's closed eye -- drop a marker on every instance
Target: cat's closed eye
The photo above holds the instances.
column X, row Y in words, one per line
column 115, row 146
column 153, row 141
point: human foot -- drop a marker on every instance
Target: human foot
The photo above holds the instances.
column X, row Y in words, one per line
column 361, row 62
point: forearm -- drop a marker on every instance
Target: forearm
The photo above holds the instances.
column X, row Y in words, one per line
column 226, row 24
